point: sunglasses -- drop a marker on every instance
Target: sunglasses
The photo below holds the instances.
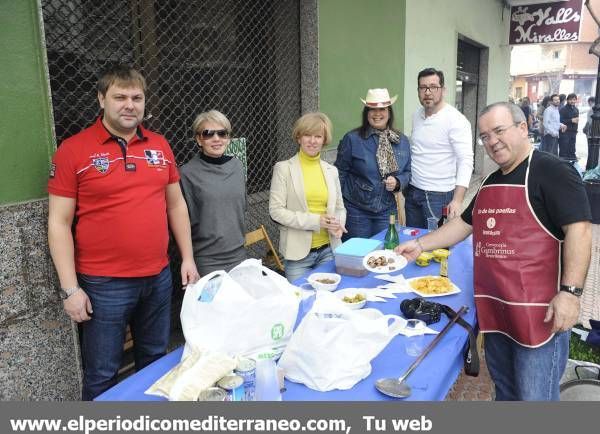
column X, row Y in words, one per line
column 207, row 134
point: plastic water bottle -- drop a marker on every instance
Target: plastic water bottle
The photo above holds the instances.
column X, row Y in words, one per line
column 267, row 381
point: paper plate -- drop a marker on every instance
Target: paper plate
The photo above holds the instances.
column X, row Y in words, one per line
column 397, row 264
column 453, row 290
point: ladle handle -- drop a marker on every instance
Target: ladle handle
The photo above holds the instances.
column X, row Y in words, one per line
column 433, row 343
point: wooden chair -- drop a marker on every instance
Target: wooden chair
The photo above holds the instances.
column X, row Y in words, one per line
column 259, row 235
column 127, row 366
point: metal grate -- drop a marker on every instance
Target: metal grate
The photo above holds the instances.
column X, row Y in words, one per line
column 237, row 56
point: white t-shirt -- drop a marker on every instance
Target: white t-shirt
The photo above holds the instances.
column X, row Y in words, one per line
column 441, row 150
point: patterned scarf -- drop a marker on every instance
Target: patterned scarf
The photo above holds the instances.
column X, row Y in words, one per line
column 385, row 155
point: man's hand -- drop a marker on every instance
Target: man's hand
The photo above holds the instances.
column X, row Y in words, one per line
column 575, row 120
column 390, row 183
column 78, row 306
column 189, row 272
column 564, row 310
column 454, row 207
column 563, row 128
column 409, row 249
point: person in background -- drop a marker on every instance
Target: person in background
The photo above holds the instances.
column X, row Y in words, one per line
column 552, row 126
column 119, row 182
column 592, row 160
column 569, row 116
column 442, row 154
column 306, row 199
column 563, row 100
column 374, row 162
column 530, row 261
column 214, row 188
column 540, row 117
column 526, row 107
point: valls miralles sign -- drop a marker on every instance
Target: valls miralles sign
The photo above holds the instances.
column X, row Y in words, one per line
column 545, row 23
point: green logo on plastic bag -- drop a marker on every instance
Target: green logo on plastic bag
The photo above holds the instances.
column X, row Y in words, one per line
column 277, row 331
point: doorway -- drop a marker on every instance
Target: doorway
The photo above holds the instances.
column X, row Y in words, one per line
column 471, row 86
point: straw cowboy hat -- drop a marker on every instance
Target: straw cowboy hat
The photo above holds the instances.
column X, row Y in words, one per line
column 378, row 98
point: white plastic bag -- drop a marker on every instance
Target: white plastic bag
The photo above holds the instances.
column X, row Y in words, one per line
column 249, row 312
column 333, row 346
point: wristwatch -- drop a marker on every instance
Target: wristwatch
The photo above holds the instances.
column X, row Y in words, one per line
column 67, row 292
column 572, row 289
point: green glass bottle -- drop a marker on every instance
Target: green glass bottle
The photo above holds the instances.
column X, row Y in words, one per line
column 391, row 236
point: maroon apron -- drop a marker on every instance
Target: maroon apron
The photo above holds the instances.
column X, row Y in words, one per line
column 516, row 265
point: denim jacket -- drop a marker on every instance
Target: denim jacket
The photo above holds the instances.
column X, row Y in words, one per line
column 362, row 184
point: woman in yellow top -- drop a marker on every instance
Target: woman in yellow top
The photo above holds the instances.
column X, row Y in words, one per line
column 306, row 200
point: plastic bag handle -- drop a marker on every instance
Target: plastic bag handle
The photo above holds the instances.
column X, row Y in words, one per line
column 396, row 326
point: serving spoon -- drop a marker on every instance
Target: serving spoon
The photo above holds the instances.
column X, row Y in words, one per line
column 398, row 387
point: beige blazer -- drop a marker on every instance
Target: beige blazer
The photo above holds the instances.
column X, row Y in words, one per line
column 288, row 207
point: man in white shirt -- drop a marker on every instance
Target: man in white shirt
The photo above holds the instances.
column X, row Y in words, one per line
column 552, row 126
column 441, row 152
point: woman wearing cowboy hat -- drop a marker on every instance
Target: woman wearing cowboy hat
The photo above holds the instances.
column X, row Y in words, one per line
column 306, row 200
column 373, row 161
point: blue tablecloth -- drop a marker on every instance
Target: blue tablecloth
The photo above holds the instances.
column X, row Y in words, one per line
column 432, row 379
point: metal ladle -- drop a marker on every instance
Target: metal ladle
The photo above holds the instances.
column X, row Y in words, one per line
column 397, row 387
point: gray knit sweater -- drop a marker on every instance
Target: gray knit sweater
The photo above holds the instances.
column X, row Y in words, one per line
column 215, row 192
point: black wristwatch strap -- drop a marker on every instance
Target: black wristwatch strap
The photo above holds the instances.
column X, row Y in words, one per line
column 572, row 289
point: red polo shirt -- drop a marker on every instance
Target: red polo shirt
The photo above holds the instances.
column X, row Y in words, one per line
column 121, row 216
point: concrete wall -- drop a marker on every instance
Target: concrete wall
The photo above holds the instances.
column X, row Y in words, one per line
column 361, row 46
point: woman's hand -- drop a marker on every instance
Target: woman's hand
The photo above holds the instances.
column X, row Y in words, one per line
column 390, row 183
column 333, row 225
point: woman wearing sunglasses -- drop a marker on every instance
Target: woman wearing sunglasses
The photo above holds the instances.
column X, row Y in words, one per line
column 306, row 200
column 215, row 191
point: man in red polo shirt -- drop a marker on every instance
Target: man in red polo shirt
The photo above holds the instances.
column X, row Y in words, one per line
column 532, row 240
column 119, row 183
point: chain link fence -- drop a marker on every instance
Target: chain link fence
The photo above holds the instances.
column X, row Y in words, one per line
column 237, row 56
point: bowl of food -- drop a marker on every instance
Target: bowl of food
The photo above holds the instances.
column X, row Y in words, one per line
column 352, row 297
column 324, row 281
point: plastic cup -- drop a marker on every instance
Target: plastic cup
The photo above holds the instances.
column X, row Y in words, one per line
column 267, row 381
column 432, row 223
column 415, row 344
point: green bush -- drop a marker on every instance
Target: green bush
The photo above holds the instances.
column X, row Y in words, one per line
column 580, row 350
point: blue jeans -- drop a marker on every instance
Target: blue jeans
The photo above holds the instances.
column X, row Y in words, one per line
column 550, row 144
column 365, row 224
column 419, row 205
column 144, row 303
column 295, row 269
column 566, row 145
column 526, row 374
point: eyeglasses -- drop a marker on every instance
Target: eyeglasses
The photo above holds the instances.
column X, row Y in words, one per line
column 497, row 132
column 207, row 134
column 432, row 89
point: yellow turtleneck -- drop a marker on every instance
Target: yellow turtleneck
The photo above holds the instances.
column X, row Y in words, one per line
column 315, row 190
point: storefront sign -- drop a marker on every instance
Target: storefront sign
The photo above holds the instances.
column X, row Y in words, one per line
column 545, row 23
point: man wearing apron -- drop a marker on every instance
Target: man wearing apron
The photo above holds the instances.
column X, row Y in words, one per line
column 531, row 247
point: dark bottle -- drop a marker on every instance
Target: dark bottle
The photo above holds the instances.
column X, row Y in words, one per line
column 444, row 218
column 391, row 236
